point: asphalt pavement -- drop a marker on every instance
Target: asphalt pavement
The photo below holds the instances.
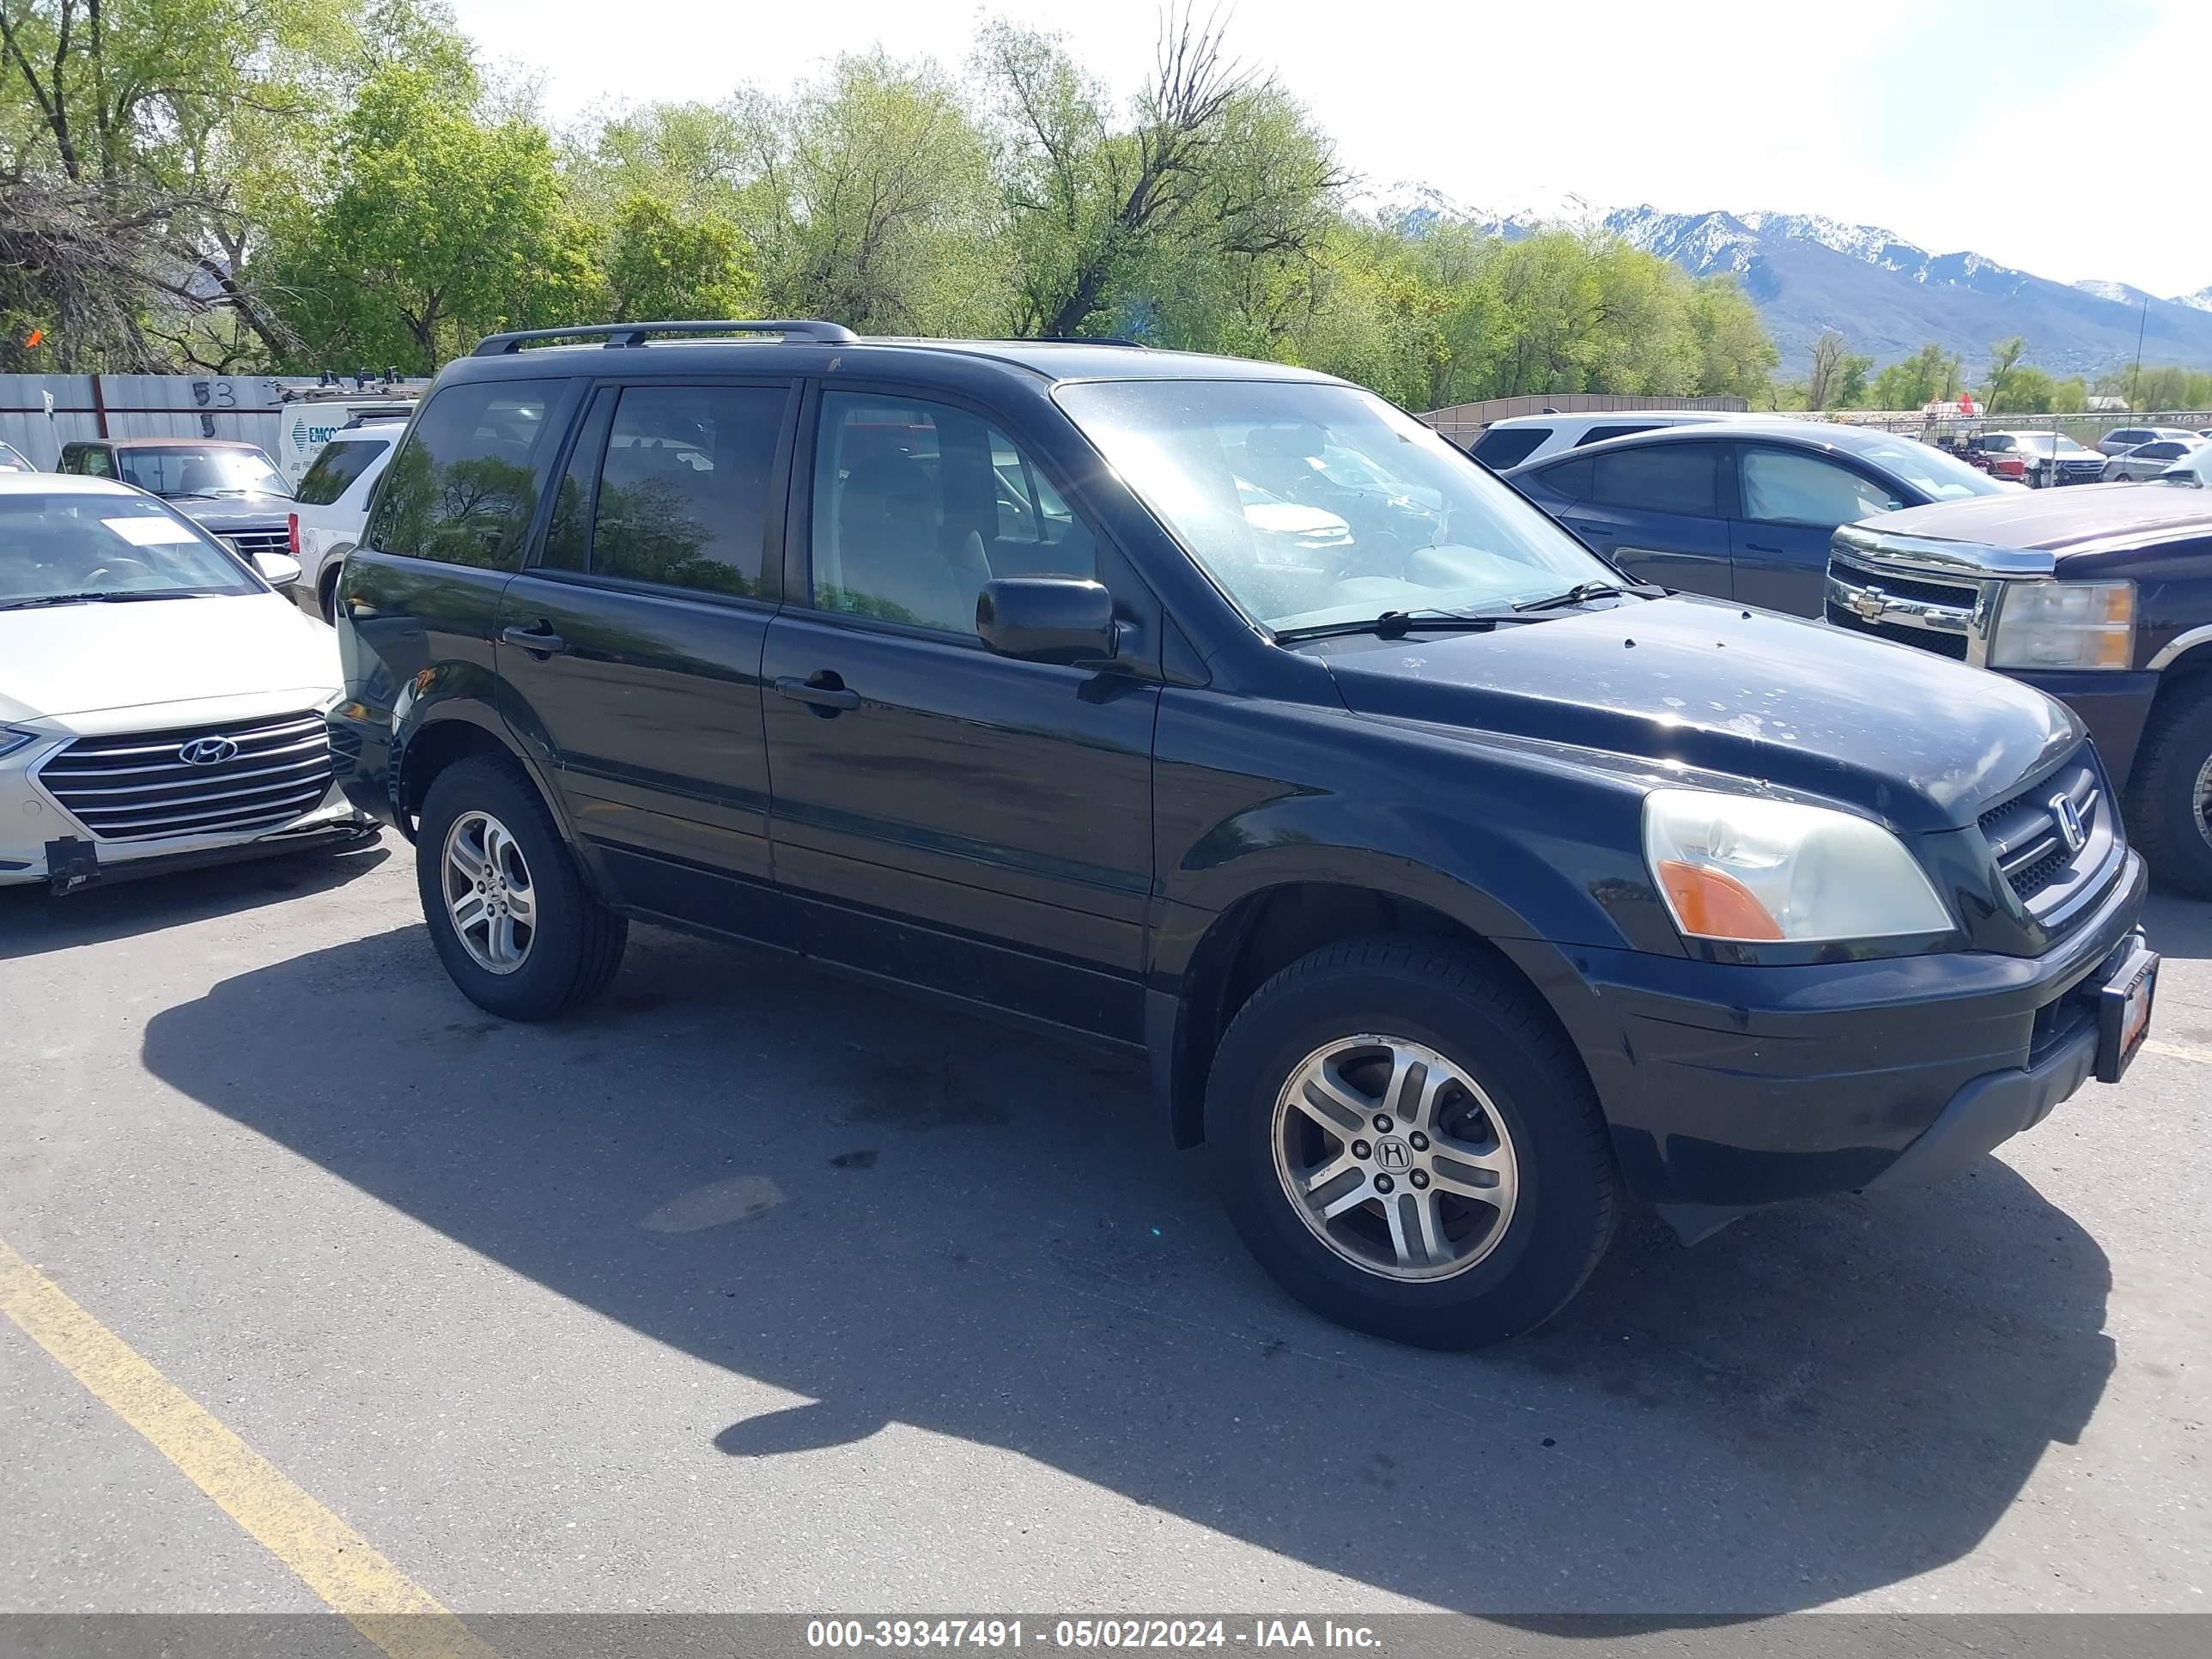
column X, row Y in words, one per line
column 755, row 1288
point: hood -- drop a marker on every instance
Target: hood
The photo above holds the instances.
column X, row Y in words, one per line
column 221, row 513
column 1908, row 736
column 2057, row 522
column 74, row 659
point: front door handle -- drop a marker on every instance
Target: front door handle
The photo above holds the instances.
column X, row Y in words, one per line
column 823, row 691
column 1761, row 547
column 540, row 641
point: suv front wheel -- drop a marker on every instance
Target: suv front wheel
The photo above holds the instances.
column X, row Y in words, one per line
column 507, row 910
column 1408, row 1144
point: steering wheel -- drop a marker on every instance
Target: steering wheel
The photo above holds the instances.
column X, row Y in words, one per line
column 114, row 563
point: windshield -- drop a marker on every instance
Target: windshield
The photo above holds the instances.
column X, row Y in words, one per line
column 2040, row 442
column 1939, row 477
column 87, row 546
column 1425, row 528
column 192, row 471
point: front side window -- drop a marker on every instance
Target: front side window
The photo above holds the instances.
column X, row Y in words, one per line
column 918, row 504
column 463, row 484
column 1662, row 477
column 1425, row 528
column 1780, row 486
column 336, row 469
column 84, row 548
column 188, row 469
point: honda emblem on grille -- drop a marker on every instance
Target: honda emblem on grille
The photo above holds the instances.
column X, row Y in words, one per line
column 2069, row 822
column 207, row 752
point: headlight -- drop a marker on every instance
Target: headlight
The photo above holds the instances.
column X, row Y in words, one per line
column 2065, row 625
column 1737, row 868
column 11, row 740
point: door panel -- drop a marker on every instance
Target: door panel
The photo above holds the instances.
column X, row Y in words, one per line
column 1782, row 566
column 630, row 653
column 987, row 802
column 943, row 814
column 1791, row 503
column 1656, row 509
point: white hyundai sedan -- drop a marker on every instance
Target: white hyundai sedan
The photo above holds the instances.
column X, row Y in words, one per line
column 161, row 703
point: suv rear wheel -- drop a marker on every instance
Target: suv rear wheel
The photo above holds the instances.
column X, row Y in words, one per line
column 507, row 910
column 2169, row 799
column 1409, row 1145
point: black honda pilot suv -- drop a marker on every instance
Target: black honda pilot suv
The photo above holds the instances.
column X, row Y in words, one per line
column 1457, row 889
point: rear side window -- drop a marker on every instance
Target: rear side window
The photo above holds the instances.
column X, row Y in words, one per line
column 463, row 484
column 684, row 489
column 92, row 463
column 336, row 467
column 1569, row 480
column 2164, row 450
column 1664, row 477
column 1504, row 447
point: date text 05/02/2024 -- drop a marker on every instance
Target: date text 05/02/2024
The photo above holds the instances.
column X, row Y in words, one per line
column 1133, row 1633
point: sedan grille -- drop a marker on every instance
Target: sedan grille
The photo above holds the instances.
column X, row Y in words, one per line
column 244, row 777
column 250, row 541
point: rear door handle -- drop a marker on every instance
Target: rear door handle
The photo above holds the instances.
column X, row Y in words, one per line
column 822, row 691
column 538, row 642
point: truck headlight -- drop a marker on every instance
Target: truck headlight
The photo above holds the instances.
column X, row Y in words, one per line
column 1741, row 868
column 11, row 740
column 2065, row 625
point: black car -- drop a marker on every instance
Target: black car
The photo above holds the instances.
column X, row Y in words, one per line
column 1456, row 892
column 2102, row 597
column 221, row 484
column 1744, row 509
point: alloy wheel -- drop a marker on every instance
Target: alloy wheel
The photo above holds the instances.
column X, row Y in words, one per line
column 1394, row 1157
column 489, row 894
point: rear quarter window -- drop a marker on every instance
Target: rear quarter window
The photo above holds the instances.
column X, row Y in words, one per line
column 1569, row 480
column 464, row 483
column 1501, row 447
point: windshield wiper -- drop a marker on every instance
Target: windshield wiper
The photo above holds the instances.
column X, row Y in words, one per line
column 1393, row 625
column 1578, row 594
column 83, row 599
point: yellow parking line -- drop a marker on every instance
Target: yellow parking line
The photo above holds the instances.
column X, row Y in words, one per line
column 2178, row 1050
column 333, row 1560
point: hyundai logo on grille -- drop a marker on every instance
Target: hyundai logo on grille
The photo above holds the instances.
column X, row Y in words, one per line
column 2069, row 822
column 207, row 752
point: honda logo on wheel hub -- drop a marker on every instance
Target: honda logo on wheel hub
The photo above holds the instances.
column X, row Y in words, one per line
column 208, row 751
column 1392, row 1153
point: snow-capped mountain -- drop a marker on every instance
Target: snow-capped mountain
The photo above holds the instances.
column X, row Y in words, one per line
column 1886, row 295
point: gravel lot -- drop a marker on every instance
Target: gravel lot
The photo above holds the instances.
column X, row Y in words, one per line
column 756, row 1289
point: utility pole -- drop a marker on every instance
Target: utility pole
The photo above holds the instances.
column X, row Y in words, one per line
column 2134, row 386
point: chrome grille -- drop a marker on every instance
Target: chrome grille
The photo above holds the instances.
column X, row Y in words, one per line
column 2024, row 834
column 250, row 541
column 139, row 787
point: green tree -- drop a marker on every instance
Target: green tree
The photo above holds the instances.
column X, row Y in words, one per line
column 447, row 220
column 1851, row 391
column 1929, row 376
column 660, row 265
column 2005, row 361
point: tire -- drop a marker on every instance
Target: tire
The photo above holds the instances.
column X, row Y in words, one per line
column 2167, row 796
column 571, row 944
column 326, row 585
column 1521, row 1082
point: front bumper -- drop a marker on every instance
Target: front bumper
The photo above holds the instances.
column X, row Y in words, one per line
column 1727, row 1087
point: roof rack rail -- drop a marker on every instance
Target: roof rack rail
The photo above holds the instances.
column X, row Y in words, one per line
column 1091, row 339
column 636, row 334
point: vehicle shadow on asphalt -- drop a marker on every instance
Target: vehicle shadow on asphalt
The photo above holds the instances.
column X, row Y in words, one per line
column 908, row 1217
column 2177, row 925
column 33, row 921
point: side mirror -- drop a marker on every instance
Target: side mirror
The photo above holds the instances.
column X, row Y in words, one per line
column 1065, row 619
column 279, row 570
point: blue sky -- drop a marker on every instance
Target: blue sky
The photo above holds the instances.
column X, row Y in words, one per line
column 1989, row 124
